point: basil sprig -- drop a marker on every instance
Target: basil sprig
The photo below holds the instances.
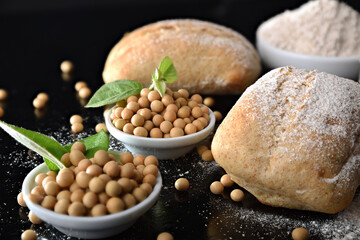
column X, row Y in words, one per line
column 50, row 149
column 165, row 73
column 122, row 89
column 45, row 146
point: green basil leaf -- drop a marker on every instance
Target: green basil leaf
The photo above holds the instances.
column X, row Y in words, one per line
column 160, row 86
column 99, row 141
column 151, row 86
column 45, row 146
column 157, row 75
column 50, row 165
column 113, row 92
column 116, row 154
column 167, row 68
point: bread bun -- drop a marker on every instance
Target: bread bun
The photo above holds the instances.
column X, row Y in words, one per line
column 209, row 58
column 293, row 140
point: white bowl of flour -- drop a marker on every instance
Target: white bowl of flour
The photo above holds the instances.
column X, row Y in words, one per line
column 321, row 34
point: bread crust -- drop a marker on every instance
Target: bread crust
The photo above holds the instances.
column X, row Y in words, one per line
column 209, row 58
column 293, row 140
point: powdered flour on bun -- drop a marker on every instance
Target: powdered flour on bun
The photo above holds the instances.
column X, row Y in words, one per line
column 293, row 140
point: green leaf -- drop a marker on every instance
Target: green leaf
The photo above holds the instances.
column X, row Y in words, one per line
column 50, row 165
column 99, row 141
column 113, row 92
column 116, row 154
column 151, row 86
column 161, row 87
column 45, row 146
column 157, row 75
column 168, row 71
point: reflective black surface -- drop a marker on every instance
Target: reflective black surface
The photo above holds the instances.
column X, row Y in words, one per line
column 33, row 42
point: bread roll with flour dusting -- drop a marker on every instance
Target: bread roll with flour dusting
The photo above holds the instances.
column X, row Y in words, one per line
column 209, row 58
column 293, row 140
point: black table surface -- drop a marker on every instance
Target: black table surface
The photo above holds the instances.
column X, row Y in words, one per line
column 35, row 37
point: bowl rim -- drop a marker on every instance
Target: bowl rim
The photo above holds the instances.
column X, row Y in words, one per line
column 82, row 222
column 159, row 142
column 261, row 41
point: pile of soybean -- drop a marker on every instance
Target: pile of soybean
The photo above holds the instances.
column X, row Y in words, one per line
column 150, row 115
column 96, row 186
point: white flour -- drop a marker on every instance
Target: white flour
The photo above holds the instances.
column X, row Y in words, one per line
column 321, row 27
column 342, row 226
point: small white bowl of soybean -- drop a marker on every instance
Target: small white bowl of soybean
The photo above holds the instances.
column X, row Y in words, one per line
column 167, row 127
column 86, row 226
column 273, row 57
column 162, row 148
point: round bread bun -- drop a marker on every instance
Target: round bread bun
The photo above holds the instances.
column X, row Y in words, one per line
column 293, row 140
column 209, row 58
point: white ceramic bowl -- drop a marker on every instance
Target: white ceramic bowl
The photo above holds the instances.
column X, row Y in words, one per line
column 273, row 57
column 162, row 148
column 88, row 227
